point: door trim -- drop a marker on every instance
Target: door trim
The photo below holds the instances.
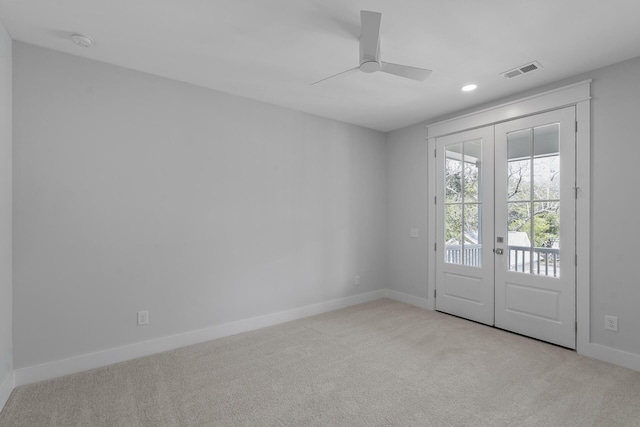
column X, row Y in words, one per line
column 546, row 101
column 578, row 95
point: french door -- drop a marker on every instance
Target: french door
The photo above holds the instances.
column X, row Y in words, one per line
column 506, row 225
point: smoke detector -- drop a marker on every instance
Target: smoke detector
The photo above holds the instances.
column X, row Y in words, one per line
column 82, row 40
column 523, row 69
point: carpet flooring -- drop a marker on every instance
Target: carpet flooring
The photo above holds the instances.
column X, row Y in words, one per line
column 382, row 363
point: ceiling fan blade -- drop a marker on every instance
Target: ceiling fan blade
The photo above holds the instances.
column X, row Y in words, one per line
column 370, row 35
column 339, row 75
column 413, row 73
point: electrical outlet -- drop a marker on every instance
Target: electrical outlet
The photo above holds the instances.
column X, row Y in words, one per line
column 143, row 318
column 611, row 323
column 357, row 280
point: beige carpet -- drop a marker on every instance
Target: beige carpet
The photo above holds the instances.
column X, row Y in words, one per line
column 382, row 363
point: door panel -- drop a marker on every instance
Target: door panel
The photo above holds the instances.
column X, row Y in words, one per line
column 464, row 266
column 535, row 178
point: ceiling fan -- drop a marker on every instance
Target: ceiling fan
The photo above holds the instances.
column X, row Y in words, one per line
column 370, row 53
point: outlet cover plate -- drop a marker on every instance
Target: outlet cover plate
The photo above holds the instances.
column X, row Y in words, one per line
column 611, row 323
column 143, row 318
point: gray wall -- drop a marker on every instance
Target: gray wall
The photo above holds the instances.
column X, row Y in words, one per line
column 6, row 364
column 134, row 192
column 615, row 206
column 408, row 206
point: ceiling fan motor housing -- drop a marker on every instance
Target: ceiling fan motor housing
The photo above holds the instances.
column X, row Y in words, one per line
column 369, row 66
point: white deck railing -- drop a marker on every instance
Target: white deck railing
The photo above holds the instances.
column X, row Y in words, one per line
column 546, row 261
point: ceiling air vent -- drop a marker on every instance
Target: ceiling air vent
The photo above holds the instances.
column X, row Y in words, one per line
column 521, row 70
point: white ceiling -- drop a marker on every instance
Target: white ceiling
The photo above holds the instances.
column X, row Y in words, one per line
column 272, row 50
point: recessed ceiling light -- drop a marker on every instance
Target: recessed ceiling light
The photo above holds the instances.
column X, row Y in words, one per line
column 469, row 88
column 82, row 40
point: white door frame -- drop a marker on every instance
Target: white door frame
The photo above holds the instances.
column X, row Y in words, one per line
column 578, row 95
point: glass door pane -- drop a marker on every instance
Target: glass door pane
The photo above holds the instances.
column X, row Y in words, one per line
column 463, row 203
column 533, row 200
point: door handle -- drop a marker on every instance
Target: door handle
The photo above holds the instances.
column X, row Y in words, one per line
column 499, row 251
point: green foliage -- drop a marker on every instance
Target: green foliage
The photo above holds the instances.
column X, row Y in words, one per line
column 461, row 185
column 462, row 188
column 545, row 228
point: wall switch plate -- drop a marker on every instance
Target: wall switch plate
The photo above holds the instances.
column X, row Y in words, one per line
column 611, row 323
column 414, row 233
column 357, row 281
column 143, row 318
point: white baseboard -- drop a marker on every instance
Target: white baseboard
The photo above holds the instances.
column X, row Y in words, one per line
column 611, row 355
column 88, row 361
column 6, row 387
column 98, row 359
column 407, row 299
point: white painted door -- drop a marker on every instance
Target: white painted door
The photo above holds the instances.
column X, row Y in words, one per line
column 535, row 217
column 464, row 266
column 505, row 250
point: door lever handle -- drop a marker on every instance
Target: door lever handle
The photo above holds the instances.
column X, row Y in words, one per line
column 499, row 251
